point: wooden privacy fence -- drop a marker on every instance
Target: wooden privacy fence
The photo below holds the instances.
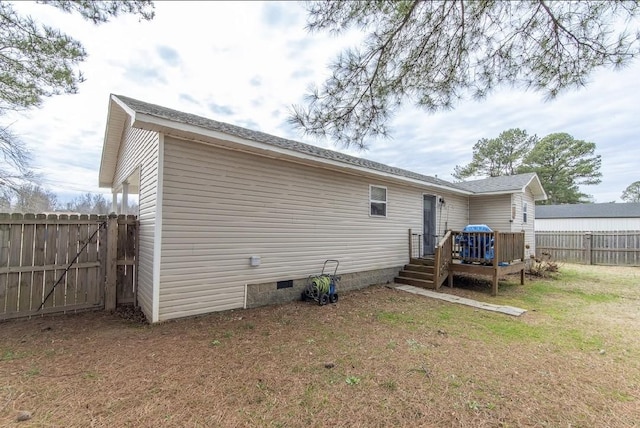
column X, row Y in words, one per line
column 593, row 248
column 59, row 263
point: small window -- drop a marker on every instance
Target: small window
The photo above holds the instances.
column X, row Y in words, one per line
column 524, row 212
column 513, row 211
column 378, row 201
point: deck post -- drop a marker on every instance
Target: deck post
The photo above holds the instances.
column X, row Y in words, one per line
column 436, row 276
column 409, row 245
column 496, row 263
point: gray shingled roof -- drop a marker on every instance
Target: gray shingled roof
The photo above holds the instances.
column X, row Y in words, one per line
column 504, row 183
column 261, row 137
column 610, row 210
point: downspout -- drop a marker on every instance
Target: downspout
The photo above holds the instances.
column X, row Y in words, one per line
column 244, row 306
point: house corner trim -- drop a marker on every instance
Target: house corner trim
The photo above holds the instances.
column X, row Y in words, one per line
column 157, row 233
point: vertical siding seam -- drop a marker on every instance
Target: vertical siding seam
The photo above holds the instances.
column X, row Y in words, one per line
column 157, row 242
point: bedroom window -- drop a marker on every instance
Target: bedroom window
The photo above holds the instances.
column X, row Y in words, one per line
column 377, row 201
column 524, row 212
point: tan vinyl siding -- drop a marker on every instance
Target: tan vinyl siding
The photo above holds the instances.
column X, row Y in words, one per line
column 454, row 214
column 139, row 149
column 530, row 230
column 518, row 225
column 492, row 210
column 220, row 207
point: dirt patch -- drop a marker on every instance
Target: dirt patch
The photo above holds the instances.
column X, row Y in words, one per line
column 379, row 357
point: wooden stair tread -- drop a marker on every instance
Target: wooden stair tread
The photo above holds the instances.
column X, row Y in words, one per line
column 419, row 268
column 423, row 261
column 416, row 274
column 424, row 283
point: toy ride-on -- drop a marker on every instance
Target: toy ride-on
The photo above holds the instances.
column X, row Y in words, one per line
column 322, row 288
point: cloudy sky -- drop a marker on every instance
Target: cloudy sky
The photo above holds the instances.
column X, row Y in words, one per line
column 246, row 63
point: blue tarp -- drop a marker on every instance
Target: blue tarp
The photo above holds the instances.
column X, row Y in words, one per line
column 474, row 247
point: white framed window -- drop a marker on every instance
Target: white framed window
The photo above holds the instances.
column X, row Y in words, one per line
column 377, row 201
column 513, row 212
column 524, row 212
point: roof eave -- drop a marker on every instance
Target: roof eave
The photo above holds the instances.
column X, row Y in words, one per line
column 498, row 192
column 183, row 130
column 112, row 136
column 541, row 195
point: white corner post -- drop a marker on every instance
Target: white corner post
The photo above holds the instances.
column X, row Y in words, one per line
column 114, row 202
column 125, row 198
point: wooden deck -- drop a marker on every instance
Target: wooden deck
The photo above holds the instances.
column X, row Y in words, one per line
column 492, row 254
column 494, row 272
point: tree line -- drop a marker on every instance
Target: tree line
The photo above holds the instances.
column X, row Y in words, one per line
column 32, row 198
column 562, row 164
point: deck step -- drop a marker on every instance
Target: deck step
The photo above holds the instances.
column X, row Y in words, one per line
column 423, row 283
column 422, row 261
column 420, row 268
column 416, row 274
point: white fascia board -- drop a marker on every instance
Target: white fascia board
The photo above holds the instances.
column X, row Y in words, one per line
column 124, row 107
column 510, row 192
column 543, row 194
column 107, row 140
column 498, row 192
column 153, row 123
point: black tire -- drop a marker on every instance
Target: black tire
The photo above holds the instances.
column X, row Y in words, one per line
column 303, row 296
column 313, row 293
column 323, row 299
column 333, row 298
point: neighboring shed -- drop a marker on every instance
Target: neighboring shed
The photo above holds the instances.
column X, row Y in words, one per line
column 506, row 204
column 588, row 217
column 231, row 217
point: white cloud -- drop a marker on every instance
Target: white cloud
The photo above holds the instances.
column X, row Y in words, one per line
column 246, row 63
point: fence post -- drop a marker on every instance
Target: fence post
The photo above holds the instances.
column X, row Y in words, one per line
column 111, row 263
column 587, row 249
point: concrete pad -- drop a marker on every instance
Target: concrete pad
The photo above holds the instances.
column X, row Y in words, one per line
column 509, row 310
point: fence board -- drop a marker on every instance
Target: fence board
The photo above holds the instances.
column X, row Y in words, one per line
column 73, row 295
column 98, row 293
column 13, row 279
column 600, row 248
column 37, row 288
column 81, row 274
column 5, row 231
column 59, row 295
column 26, row 278
column 50, row 259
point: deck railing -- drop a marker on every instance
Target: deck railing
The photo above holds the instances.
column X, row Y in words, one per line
column 476, row 246
column 510, row 247
column 416, row 249
column 443, row 258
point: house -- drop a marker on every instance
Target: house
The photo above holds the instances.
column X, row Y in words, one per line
column 507, row 204
column 232, row 218
column 588, row 217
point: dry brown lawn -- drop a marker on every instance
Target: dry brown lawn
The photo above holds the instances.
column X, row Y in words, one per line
column 378, row 358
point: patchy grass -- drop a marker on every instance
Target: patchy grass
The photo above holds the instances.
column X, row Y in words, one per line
column 380, row 357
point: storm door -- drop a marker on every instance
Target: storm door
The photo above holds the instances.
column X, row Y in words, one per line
column 429, row 219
